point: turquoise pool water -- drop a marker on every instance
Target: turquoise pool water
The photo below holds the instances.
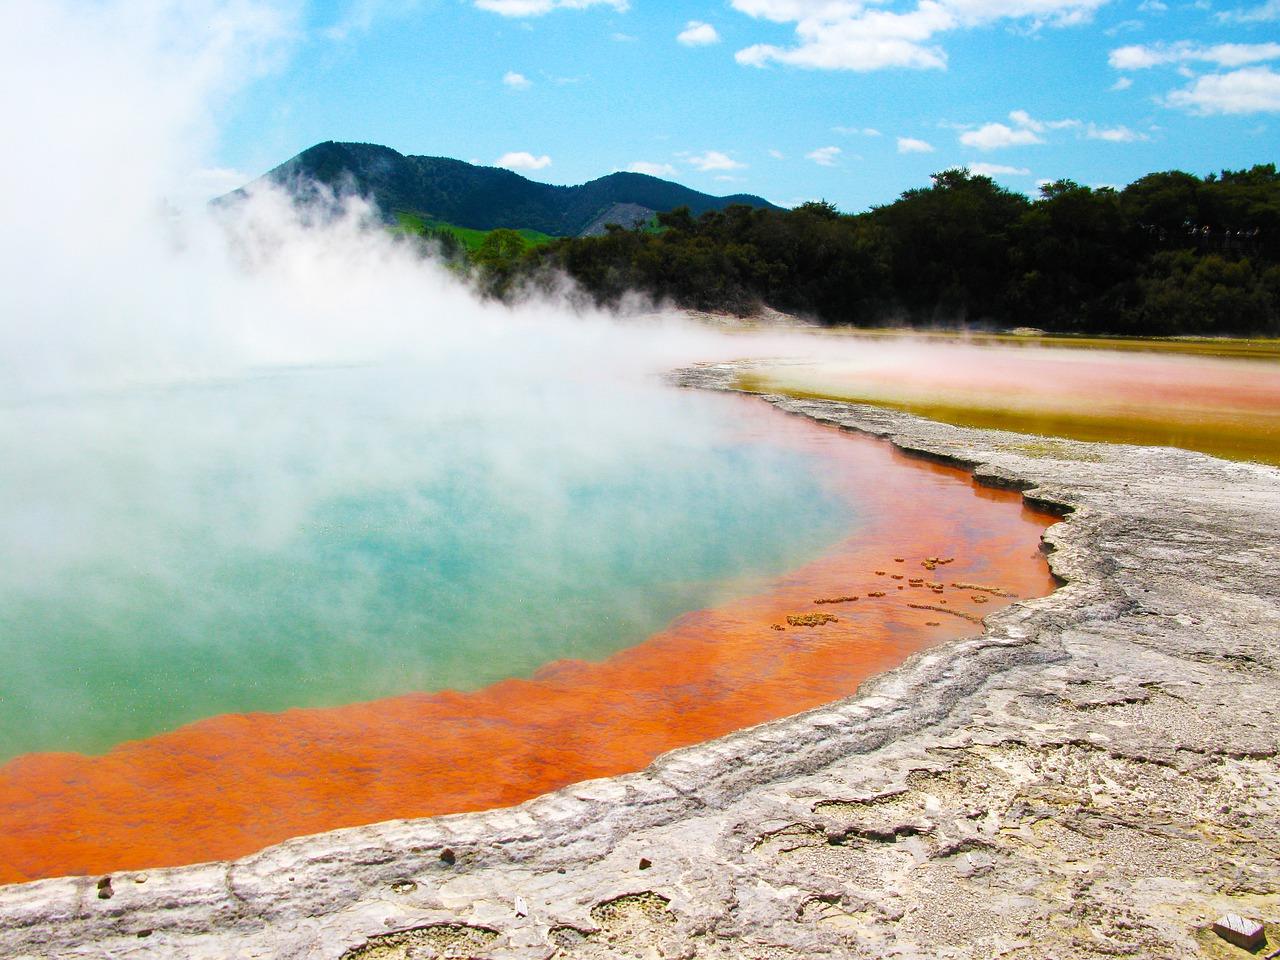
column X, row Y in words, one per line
column 326, row 536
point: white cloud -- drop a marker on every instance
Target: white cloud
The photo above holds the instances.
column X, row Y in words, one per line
column 996, row 170
column 698, row 34
column 874, row 40
column 857, row 131
column 536, row 8
column 1260, row 14
column 516, row 81
column 993, row 136
column 622, row 38
column 777, row 154
column 782, row 11
column 911, row 145
column 1024, row 119
column 1124, row 26
column 522, row 161
column 1139, row 57
column 1124, row 83
column 1120, row 134
column 824, row 156
column 1249, row 90
column 652, row 169
column 1025, row 131
column 358, row 16
column 1152, row 6
column 851, row 35
column 715, row 160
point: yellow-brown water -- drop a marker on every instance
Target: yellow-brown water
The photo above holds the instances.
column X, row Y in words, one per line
column 1217, row 397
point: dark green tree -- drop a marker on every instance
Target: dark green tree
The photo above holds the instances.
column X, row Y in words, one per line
column 1170, row 253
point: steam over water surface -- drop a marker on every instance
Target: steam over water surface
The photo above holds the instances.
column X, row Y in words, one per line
column 329, row 535
column 418, row 490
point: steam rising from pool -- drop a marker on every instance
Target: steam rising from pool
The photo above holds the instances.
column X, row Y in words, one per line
column 116, row 272
column 260, row 458
column 324, row 536
column 257, row 459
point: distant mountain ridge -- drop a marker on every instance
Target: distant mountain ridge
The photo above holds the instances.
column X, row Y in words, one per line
column 486, row 197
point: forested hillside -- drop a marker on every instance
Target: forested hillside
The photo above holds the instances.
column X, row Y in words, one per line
column 1171, row 253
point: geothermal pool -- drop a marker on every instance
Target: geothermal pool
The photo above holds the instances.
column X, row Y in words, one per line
column 239, row 611
column 326, row 536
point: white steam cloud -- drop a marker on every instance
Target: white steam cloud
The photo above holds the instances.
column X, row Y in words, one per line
column 148, row 435
column 106, row 281
column 97, row 266
column 107, row 286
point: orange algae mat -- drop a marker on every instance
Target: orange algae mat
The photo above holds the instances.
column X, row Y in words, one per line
column 233, row 784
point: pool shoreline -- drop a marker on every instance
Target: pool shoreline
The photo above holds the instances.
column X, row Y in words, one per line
column 1168, row 611
column 232, row 784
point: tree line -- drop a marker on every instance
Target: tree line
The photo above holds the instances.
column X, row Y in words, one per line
column 1169, row 254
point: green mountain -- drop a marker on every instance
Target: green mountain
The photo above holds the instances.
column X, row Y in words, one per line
column 484, row 198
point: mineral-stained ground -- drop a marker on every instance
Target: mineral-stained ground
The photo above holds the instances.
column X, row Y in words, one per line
column 1095, row 776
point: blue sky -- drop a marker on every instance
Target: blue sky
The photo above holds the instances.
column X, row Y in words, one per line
column 847, row 100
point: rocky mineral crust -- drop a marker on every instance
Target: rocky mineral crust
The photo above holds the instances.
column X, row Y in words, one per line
column 1095, row 776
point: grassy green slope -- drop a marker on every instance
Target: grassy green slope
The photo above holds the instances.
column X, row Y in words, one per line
column 468, row 237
